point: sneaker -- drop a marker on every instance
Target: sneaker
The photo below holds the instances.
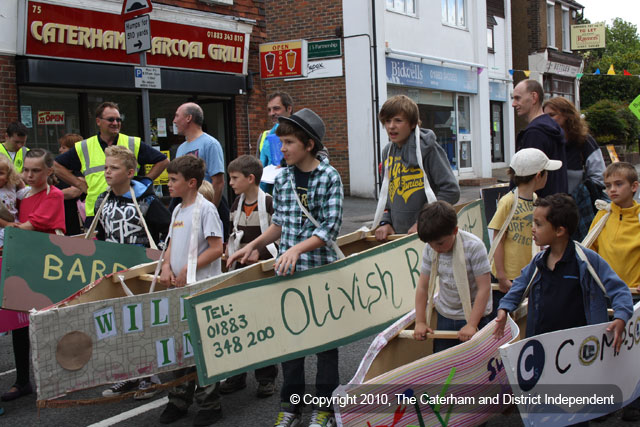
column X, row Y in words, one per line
column 206, row 417
column 233, row 384
column 266, row 388
column 322, row 419
column 144, row 390
column 288, row 419
column 171, row 413
column 120, row 388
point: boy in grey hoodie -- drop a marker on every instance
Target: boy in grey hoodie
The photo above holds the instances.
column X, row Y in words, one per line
column 406, row 192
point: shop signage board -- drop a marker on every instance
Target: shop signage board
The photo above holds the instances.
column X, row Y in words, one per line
column 324, row 49
column 416, row 74
column 147, row 77
column 588, row 36
column 131, row 8
column 50, row 117
column 579, row 363
column 498, row 91
column 56, row 31
column 322, row 69
column 283, row 59
column 58, row 266
column 138, row 34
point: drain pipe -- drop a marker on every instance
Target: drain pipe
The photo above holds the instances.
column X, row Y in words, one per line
column 376, row 100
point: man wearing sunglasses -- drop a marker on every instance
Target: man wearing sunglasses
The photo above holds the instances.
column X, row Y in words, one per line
column 88, row 157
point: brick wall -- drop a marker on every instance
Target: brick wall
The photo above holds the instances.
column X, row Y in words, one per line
column 312, row 20
column 247, row 126
column 8, row 93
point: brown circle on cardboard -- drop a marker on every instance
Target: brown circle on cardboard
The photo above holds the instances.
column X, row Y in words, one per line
column 74, row 350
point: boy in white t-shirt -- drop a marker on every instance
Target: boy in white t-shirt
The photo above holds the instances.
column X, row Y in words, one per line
column 185, row 176
column 438, row 227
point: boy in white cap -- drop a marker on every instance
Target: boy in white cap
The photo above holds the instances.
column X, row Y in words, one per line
column 307, row 205
column 512, row 247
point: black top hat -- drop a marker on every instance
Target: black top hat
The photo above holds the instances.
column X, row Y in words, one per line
column 309, row 122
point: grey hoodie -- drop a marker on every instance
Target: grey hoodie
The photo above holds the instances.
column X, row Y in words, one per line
column 406, row 183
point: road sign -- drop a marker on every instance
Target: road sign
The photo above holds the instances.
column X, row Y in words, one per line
column 325, row 48
column 131, row 8
column 147, row 78
column 138, row 34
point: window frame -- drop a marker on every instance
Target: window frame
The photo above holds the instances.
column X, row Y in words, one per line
column 566, row 29
column 403, row 10
column 551, row 24
column 444, row 15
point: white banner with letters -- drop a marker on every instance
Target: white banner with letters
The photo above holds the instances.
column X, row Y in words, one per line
column 574, row 375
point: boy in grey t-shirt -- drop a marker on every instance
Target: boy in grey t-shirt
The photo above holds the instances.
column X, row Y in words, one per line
column 185, row 177
column 438, row 227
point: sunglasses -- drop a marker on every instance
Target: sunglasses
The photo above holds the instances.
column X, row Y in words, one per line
column 112, row 119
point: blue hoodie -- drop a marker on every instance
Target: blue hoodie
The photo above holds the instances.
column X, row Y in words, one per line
column 545, row 134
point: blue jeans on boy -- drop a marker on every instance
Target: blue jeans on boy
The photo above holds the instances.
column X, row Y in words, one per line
column 446, row 324
column 327, row 377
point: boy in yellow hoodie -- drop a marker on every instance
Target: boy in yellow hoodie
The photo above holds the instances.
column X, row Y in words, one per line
column 618, row 241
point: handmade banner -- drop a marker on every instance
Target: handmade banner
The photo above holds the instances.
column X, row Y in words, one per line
column 571, row 376
column 281, row 318
column 40, row 269
column 86, row 345
column 400, row 382
column 10, row 320
column 471, row 218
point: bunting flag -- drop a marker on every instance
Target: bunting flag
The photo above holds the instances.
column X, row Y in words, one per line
column 511, row 72
column 611, row 71
column 597, row 73
column 480, row 70
column 579, row 76
column 626, row 73
column 527, row 73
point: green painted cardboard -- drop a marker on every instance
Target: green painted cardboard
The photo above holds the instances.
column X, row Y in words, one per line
column 40, row 269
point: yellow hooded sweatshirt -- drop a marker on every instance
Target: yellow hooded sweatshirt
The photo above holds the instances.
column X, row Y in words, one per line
column 619, row 242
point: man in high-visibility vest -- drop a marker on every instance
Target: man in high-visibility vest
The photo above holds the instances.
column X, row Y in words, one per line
column 279, row 104
column 88, row 157
column 13, row 145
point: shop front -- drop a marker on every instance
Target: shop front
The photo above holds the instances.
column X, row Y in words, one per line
column 71, row 59
column 444, row 98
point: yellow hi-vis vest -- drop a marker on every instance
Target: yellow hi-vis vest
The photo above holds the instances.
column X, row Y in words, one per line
column 18, row 160
column 92, row 159
column 262, row 138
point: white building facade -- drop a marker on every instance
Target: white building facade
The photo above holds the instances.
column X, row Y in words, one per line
column 452, row 58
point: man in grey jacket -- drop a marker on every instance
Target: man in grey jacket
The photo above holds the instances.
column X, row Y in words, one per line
column 406, row 194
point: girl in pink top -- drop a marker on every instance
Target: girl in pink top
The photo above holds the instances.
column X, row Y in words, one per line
column 42, row 209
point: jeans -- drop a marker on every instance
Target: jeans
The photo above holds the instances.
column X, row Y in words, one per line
column 446, row 324
column 327, row 377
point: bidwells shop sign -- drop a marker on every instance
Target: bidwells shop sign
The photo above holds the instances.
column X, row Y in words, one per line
column 416, row 74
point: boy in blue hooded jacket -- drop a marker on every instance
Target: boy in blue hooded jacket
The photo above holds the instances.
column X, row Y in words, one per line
column 562, row 292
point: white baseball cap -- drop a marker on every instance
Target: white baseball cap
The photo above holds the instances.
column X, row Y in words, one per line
column 530, row 161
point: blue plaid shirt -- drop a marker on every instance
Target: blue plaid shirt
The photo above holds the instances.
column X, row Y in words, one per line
column 324, row 198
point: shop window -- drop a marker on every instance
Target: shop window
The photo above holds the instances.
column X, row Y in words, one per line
column 497, row 132
column 406, row 7
column 464, row 131
column 48, row 115
column 551, row 25
column 454, row 13
column 559, row 86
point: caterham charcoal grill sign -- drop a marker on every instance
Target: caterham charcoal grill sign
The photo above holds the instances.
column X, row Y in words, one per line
column 66, row 32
